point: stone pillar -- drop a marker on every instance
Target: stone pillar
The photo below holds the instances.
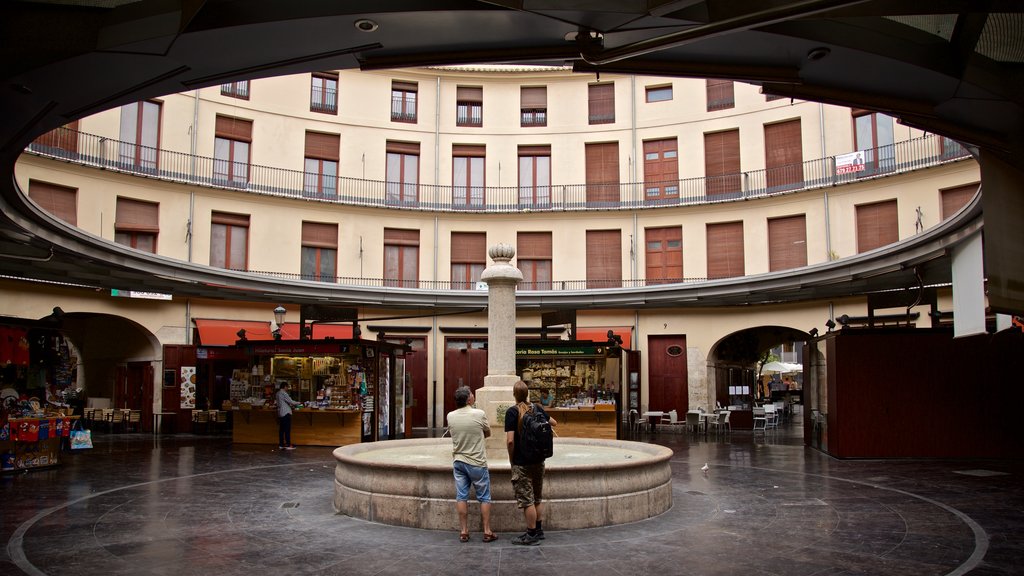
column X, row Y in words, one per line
column 496, row 394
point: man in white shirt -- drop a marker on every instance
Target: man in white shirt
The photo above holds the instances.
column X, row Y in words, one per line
column 469, row 428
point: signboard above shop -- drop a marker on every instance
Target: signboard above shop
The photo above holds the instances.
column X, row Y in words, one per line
column 559, row 351
column 139, row 294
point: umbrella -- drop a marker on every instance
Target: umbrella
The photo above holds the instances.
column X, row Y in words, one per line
column 781, row 367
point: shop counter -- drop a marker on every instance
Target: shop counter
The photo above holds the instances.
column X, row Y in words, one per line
column 310, row 427
column 591, row 422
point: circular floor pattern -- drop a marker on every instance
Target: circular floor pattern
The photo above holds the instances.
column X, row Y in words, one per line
column 278, row 519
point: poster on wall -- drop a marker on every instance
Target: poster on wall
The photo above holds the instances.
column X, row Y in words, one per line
column 188, row 386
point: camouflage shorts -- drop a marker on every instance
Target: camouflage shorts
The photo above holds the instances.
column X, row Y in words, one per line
column 528, row 484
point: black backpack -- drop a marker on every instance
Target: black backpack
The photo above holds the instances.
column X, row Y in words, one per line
column 536, row 437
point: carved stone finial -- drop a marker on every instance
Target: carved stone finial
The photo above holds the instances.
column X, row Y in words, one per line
column 502, row 252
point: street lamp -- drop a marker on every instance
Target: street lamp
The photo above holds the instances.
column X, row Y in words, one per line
column 279, row 313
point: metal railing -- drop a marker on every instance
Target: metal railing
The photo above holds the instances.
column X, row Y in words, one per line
column 97, row 151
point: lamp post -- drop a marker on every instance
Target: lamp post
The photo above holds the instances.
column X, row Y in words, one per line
column 279, row 313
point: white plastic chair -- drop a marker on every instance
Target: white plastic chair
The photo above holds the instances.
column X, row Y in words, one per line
column 760, row 421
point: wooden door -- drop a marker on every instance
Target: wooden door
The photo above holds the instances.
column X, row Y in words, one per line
column 667, row 371
column 462, row 365
column 416, row 369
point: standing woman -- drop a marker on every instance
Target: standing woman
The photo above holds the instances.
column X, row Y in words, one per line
column 284, row 418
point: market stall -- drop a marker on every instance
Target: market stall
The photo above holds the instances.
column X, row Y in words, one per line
column 350, row 391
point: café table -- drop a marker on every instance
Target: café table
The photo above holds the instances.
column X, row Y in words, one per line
column 650, row 415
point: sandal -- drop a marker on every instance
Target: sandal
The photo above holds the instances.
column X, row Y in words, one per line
column 490, row 537
column 464, row 537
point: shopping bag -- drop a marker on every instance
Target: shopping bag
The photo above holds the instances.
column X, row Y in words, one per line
column 80, row 439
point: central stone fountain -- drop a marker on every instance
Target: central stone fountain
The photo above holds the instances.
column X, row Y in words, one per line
column 587, row 483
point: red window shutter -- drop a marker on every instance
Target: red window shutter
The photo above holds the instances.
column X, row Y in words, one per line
column 233, row 128
column 469, row 247
column 725, row 250
column 399, row 237
column 784, row 157
column 469, row 150
column 229, row 219
column 722, row 162
column 602, row 165
column 720, row 95
column 533, row 97
column 320, row 235
column 877, row 225
column 61, row 201
column 604, row 258
column 469, row 94
column 787, row 242
column 664, row 254
column 538, row 150
column 533, row 245
column 601, row 103
column 404, row 86
column 64, row 138
column 397, row 147
column 323, row 146
column 953, row 199
column 661, row 168
column 137, row 216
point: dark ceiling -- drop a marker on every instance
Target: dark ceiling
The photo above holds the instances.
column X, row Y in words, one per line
column 950, row 67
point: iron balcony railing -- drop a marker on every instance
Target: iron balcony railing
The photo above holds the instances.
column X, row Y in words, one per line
column 97, row 151
column 444, row 285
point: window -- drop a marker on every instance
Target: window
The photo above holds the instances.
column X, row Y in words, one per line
column 401, row 258
column 469, row 106
column 601, row 103
column 720, row 94
column 725, row 250
column 784, row 156
column 787, row 243
column 873, row 133
column 722, row 163
column 403, row 168
column 403, row 101
column 772, row 97
column 60, row 201
column 533, row 258
column 229, row 241
column 661, row 170
column 534, row 176
column 64, row 139
column 238, row 89
column 231, row 151
column 877, row 225
column 323, row 93
column 319, row 259
column 661, row 93
column 664, row 255
column 604, row 258
column 602, row 165
column 321, row 165
column 468, row 176
column 137, row 223
column 953, row 199
column 140, row 133
column 533, row 106
column 469, row 258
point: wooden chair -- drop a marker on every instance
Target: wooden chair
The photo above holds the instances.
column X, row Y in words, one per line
column 134, row 421
column 200, row 419
column 221, row 420
column 116, row 420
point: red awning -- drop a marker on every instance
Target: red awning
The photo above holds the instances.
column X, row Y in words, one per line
column 600, row 334
column 225, row 332
column 290, row 331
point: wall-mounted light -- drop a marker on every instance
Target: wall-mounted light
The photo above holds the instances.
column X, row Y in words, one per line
column 241, row 336
column 843, row 320
column 813, row 332
column 830, row 324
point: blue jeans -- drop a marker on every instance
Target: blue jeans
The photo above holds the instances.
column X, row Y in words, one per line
column 284, row 430
column 478, row 476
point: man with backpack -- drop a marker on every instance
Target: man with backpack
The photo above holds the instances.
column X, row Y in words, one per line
column 528, row 438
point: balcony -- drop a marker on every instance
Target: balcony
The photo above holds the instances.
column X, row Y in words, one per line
column 105, row 153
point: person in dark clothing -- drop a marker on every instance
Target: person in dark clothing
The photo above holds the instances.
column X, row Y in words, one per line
column 284, row 418
column 527, row 476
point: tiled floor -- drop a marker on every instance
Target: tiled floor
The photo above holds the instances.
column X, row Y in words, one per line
column 200, row 505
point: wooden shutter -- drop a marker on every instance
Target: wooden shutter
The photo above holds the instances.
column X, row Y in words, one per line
column 601, row 103
column 404, row 86
column 469, row 247
column 602, row 165
column 229, row 219
column 403, row 147
column 877, row 225
column 725, row 250
column 233, row 128
column 535, row 150
column 469, row 94
column 61, row 201
column 787, row 242
column 664, row 254
column 323, row 146
column 783, row 151
column 398, row 237
column 719, row 94
column 63, row 138
column 533, row 245
column 722, row 162
column 604, row 258
column 320, row 235
column 137, row 216
column 533, row 97
column 469, row 150
column 953, row 199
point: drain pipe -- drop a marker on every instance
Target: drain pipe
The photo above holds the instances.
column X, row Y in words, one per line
column 633, row 250
column 824, row 159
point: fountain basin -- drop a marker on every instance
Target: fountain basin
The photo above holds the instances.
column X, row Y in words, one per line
column 587, row 483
